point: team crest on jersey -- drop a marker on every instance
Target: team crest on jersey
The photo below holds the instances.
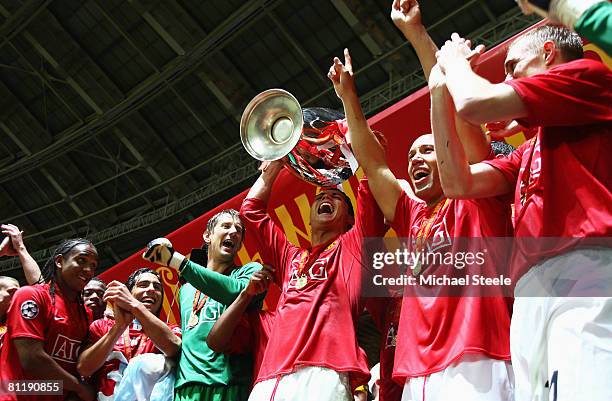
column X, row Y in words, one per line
column 29, row 309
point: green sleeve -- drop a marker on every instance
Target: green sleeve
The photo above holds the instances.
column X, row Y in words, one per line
column 223, row 289
column 595, row 24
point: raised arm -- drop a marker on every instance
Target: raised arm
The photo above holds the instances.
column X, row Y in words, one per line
column 16, row 247
column 368, row 150
column 270, row 241
column 262, row 188
column 406, row 15
column 459, row 179
column 221, row 288
column 94, row 356
column 476, row 99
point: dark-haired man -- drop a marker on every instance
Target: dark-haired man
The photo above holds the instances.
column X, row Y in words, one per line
column 134, row 330
column 312, row 350
column 93, row 295
column 213, row 283
column 562, row 198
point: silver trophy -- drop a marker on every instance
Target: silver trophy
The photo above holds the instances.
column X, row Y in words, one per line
column 312, row 142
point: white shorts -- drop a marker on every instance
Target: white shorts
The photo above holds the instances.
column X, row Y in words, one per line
column 307, row 383
column 474, row 377
column 562, row 346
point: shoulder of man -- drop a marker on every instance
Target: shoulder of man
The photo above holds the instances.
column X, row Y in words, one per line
column 583, row 69
column 38, row 292
column 247, row 269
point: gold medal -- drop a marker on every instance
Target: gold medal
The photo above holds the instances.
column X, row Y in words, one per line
column 301, row 282
column 193, row 320
column 195, row 309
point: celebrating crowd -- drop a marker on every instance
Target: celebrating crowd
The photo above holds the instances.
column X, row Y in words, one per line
column 106, row 341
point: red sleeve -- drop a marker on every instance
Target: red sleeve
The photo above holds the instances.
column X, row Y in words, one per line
column 96, row 330
column 29, row 313
column 176, row 330
column 369, row 220
column 403, row 210
column 510, row 165
column 574, row 93
column 271, row 242
column 369, row 223
column 242, row 338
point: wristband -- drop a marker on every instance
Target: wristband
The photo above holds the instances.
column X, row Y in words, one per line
column 177, row 261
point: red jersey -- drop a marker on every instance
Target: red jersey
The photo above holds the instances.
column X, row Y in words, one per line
column 251, row 335
column 563, row 176
column 386, row 313
column 315, row 324
column 60, row 324
column 105, row 379
column 436, row 331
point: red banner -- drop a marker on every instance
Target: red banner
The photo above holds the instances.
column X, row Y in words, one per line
column 290, row 204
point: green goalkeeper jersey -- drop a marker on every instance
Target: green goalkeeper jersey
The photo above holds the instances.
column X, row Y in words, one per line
column 199, row 364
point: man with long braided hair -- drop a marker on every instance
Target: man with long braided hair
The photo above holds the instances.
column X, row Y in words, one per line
column 47, row 324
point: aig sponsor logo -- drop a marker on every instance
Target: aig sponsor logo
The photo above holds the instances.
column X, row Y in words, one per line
column 316, row 272
column 66, row 349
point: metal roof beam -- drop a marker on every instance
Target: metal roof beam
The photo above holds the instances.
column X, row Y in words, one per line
column 352, row 20
column 299, row 49
column 46, row 174
column 19, row 20
column 131, row 148
column 508, row 17
column 249, row 13
column 205, row 76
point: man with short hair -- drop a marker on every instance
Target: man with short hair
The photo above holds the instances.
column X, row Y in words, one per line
column 212, row 285
column 592, row 19
column 93, row 295
column 312, row 350
column 134, row 330
column 562, row 199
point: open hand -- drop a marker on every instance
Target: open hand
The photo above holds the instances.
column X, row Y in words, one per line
column 13, row 243
column 456, row 50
